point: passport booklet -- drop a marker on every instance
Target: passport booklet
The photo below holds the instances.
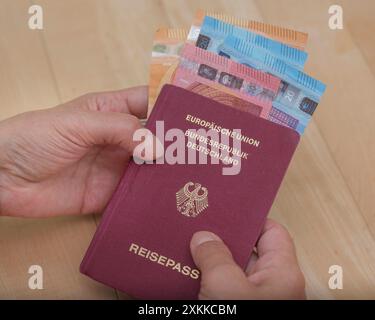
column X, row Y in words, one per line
column 141, row 246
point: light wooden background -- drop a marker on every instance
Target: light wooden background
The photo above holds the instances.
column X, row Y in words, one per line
column 327, row 198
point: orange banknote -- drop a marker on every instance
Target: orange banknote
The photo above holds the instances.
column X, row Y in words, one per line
column 289, row 37
column 241, row 87
column 165, row 52
column 168, row 42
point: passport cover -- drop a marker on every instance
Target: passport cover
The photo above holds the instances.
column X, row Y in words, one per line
column 141, row 246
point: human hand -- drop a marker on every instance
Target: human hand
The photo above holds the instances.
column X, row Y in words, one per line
column 68, row 159
column 273, row 272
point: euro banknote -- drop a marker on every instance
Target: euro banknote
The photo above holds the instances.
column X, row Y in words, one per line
column 169, row 41
column 213, row 33
column 165, row 52
column 298, row 95
column 287, row 36
column 223, row 97
column 198, row 67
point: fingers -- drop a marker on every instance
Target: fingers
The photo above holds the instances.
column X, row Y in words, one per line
column 276, row 240
column 136, row 100
column 222, row 278
column 110, row 118
column 110, row 128
column 132, row 100
column 277, row 273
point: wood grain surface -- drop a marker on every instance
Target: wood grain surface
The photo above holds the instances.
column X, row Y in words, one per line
column 327, row 198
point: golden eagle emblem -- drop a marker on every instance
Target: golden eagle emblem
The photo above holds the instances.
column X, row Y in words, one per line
column 192, row 199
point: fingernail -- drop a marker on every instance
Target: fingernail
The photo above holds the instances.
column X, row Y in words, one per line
column 203, row 237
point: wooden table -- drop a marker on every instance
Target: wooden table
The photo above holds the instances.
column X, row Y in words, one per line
column 327, row 198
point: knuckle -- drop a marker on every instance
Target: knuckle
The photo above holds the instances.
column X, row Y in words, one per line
column 88, row 101
column 89, row 95
column 218, row 273
column 224, row 268
column 277, row 227
column 91, row 100
column 281, row 231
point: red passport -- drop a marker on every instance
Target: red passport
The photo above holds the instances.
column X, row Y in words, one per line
column 141, row 246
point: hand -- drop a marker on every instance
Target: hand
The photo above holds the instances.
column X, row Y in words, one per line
column 68, row 159
column 273, row 273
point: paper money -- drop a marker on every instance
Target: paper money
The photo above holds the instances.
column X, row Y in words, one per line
column 225, row 98
column 298, row 95
column 289, row 37
column 213, row 33
column 165, row 52
column 199, row 67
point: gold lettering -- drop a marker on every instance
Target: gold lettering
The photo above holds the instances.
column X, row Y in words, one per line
column 186, row 270
column 142, row 252
column 225, row 131
column 162, row 260
column 194, row 274
column 170, row 263
column 177, row 267
column 133, row 248
column 154, row 256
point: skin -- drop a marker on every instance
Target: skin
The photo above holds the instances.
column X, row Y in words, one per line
column 69, row 159
column 273, row 271
column 85, row 143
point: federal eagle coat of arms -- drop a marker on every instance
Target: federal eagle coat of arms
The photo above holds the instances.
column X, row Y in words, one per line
column 192, row 199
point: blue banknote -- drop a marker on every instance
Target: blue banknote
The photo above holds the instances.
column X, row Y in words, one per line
column 213, row 33
column 298, row 95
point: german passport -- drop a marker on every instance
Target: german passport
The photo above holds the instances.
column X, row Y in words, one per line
column 142, row 244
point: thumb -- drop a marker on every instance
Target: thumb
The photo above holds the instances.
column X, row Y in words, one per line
column 114, row 128
column 221, row 278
